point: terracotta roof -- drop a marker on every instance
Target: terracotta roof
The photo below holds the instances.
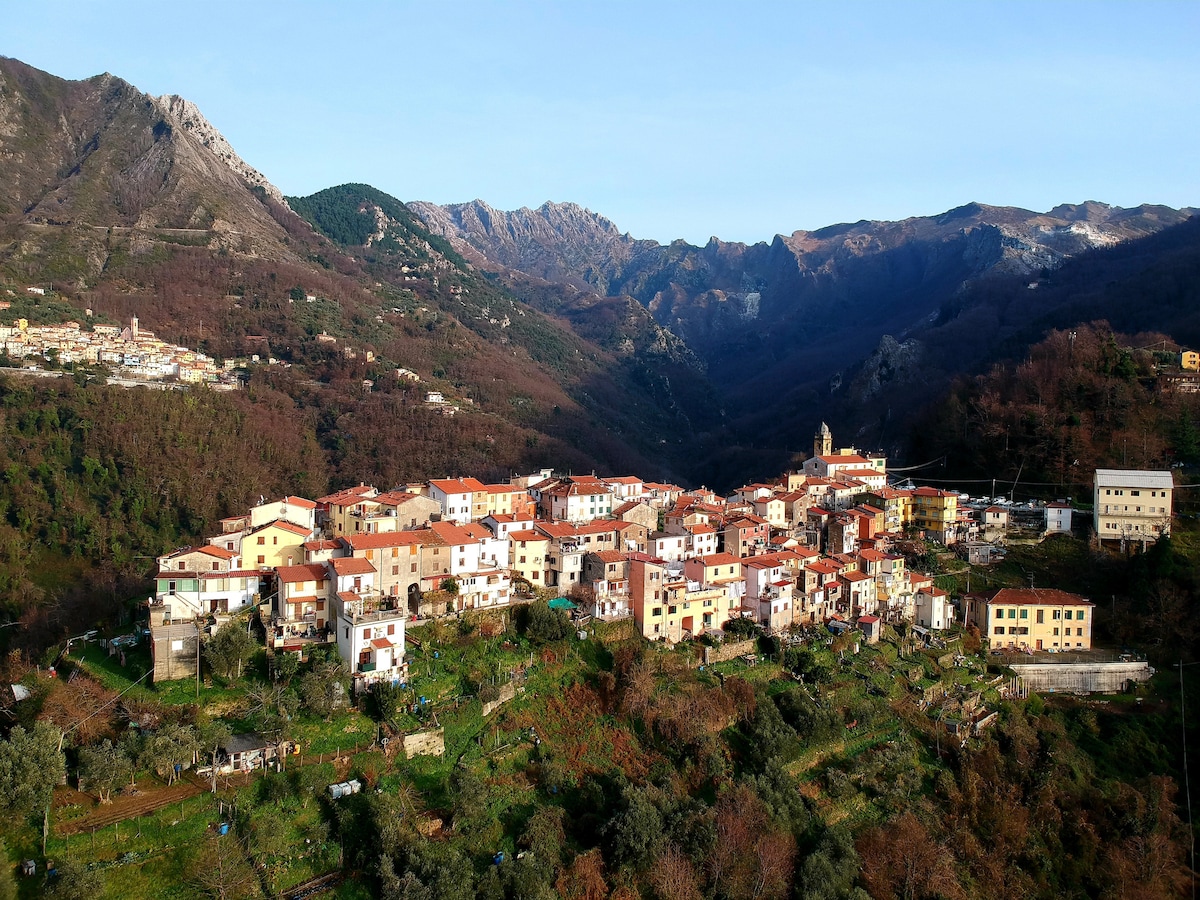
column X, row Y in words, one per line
column 208, row 550
column 311, row 572
column 338, row 496
column 302, row 502
column 527, row 536
column 933, row 492
column 623, row 479
column 847, row 458
column 458, row 485
column 609, row 556
column 719, row 559
column 394, row 498
column 351, row 565
column 855, row 576
column 557, row 529
column 285, row 525
column 321, row 545
column 457, row 535
column 1034, row 597
column 574, row 489
column 381, row 643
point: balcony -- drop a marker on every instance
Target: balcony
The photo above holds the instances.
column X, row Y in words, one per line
column 366, row 667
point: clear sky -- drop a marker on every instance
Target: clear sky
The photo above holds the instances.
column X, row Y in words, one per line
column 673, row 119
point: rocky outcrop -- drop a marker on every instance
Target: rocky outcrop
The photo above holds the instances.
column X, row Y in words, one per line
column 186, row 115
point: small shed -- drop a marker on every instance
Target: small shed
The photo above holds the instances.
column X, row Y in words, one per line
column 563, row 603
column 870, row 627
column 244, row 752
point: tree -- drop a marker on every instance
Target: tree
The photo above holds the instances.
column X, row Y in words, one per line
column 230, row 649
column 541, row 624
column 286, row 666
column 323, row 689
column 74, row 881
column 673, row 876
column 829, row 871
column 31, row 764
column 220, row 869
column 104, row 768
column 170, row 750
column 8, row 884
column 213, row 735
column 635, row 834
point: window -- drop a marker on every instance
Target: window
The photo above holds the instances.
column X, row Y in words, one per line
column 216, row 567
column 1041, row 616
column 1024, row 614
column 999, row 614
column 1136, row 493
column 366, row 634
column 395, row 570
column 1079, row 632
column 1057, row 615
column 261, row 540
column 657, row 611
column 1056, row 632
column 1012, row 613
column 395, row 552
column 1000, row 629
column 261, row 560
column 412, row 567
column 391, row 629
column 181, row 566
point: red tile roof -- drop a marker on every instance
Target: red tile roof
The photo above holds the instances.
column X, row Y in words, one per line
column 291, row 574
column 351, row 565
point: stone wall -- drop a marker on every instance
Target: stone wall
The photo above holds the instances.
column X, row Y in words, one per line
column 729, row 651
column 506, row 693
column 425, row 743
column 1094, row 678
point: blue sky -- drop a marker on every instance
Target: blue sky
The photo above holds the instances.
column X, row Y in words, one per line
column 673, row 119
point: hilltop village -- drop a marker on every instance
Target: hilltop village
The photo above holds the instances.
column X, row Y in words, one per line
column 824, row 546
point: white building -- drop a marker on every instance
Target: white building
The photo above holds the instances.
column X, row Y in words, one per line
column 370, row 638
column 1058, row 518
column 1133, row 504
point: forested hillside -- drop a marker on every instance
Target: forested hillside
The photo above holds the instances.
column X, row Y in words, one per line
column 1081, row 399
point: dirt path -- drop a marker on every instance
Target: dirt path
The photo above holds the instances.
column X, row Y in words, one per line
column 125, row 806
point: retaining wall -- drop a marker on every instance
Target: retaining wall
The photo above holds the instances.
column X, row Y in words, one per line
column 1093, row 678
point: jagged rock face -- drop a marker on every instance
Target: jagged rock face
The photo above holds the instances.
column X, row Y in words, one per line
column 725, row 293
column 186, row 115
column 98, row 153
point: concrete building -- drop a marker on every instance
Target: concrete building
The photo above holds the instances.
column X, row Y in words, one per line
column 1132, row 505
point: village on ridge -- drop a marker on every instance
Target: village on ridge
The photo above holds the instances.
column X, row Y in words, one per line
column 823, row 547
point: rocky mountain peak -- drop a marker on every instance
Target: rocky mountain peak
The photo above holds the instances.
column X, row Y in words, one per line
column 185, row 114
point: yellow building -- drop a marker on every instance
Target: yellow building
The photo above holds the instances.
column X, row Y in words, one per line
column 275, row 544
column 936, row 513
column 527, row 556
column 1190, row 360
column 1032, row 619
column 667, row 607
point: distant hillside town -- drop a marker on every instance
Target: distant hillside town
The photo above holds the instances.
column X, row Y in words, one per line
column 129, row 352
column 826, row 546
